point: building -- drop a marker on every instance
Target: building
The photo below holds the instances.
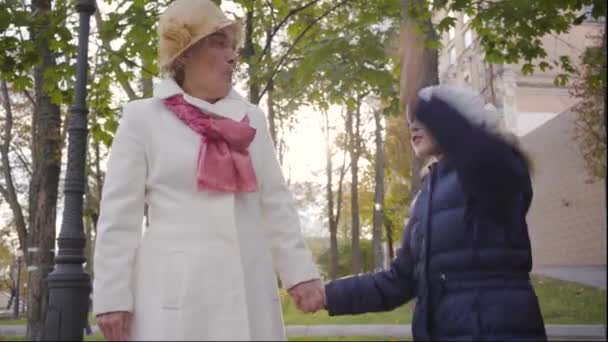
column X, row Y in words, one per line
column 567, row 220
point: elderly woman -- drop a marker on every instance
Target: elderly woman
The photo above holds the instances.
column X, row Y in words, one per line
column 200, row 156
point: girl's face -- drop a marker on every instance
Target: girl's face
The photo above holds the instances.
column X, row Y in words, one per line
column 422, row 142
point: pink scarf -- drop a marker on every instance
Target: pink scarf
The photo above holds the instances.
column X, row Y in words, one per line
column 224, row 164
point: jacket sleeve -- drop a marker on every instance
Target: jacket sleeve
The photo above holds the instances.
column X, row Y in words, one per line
column 372, row 292
column 120, row 221
column 292, row 259
column 488, row 167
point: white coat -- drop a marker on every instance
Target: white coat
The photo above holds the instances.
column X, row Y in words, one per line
column 203, row 269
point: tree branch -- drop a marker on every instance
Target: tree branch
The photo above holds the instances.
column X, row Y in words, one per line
column 9, row 193
column 24, row 162
column 567, row 43
column 296, row 41
column 29, row 97
column 274, row 18
column 343, row 172
column 283, row 21
column 105, row 44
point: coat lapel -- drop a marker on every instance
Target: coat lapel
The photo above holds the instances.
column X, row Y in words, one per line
column 233, row 106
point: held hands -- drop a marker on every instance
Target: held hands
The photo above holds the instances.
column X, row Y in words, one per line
column 309, row 296
column 115, row 326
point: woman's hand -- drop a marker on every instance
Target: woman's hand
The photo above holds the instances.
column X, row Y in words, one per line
column 115, row 326
column 309, row 296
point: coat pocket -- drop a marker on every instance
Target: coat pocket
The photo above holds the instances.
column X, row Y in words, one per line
column 175, row 273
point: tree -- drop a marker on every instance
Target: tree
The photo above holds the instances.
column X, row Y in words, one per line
column 378, row 192
column 7, row 272
column 46, row 153
column 590, row 88
column 344, row 259
column 16, row 171
column 286, row 28
column 510, row 32
column 351, row 63
column 334, row 199
column 14, row 159
column 399, row 179
column 353, row 119
column 37, row 59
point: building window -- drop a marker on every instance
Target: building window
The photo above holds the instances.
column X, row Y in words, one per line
column 468, row 38
column 452, row 55
column 589, row 15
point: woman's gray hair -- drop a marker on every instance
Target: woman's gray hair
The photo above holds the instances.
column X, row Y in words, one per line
column 467, row 102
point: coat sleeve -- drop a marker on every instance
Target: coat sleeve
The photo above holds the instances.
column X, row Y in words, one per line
column 120, row 222
column 292, row 259
column 488, row 167
column 379, row 291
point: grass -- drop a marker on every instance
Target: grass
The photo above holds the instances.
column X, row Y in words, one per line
column 343, row 338
column 23, row 321
column 561, row 303
column 570, row 303
column 96, row 337
column 292, row 316
column 294, row 338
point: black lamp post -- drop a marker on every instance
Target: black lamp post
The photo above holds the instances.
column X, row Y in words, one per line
column 69, row 284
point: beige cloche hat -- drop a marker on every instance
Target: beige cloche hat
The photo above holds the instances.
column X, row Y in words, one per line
column 184, row 23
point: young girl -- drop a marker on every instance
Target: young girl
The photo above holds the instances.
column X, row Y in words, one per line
column 466, row 253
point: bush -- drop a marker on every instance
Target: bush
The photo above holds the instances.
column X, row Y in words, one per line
column 345, row 257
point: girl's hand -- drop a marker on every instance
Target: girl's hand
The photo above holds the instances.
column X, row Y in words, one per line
column 412, row 68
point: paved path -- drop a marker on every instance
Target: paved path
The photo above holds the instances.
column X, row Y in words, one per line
column 591, row 275
column 555, row 332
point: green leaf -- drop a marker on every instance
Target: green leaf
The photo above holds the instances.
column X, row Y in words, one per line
column 527, row 69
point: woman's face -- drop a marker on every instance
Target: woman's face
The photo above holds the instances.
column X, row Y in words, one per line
column 422, row 142
column 210, row 63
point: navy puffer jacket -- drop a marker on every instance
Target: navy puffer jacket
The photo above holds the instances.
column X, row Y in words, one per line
column 466, row 253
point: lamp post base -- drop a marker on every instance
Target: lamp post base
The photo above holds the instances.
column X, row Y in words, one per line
column 73, row 288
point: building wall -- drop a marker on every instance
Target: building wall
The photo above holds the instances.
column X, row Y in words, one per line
column 504, row 85
column 567, row 220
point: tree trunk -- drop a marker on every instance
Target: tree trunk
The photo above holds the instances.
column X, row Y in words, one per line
column 280, row 143
column 270, row 99
column 378, row 193
column 9, row 191
column 604, row 70
column 12, row 284
column 388, row 226
column 353, row 133
column 147, row 84
column 249, row 56
column 45, row 179
column 10, row 300
column 147, row 87
column 333, row 227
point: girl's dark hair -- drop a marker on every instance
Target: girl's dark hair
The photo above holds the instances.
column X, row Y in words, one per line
column 513, row 141
column 509, row 138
